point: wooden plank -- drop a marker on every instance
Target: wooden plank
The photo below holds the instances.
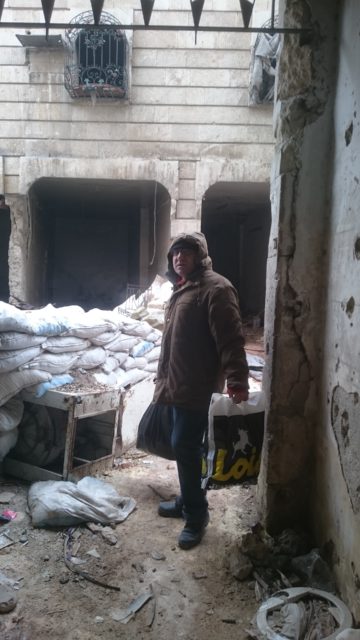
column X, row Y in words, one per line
column 91, row 468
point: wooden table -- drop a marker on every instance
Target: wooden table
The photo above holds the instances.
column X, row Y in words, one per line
column 77, row 406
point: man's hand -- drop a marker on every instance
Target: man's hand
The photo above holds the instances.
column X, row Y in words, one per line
column 238, row 395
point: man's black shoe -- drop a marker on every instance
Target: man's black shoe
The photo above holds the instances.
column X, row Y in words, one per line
column 192, row 534
column 171, row 509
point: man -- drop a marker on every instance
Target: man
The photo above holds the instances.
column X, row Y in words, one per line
column 202, row 346
column 3, row 204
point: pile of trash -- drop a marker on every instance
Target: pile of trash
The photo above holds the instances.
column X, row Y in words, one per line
column 46, row 348
column 295, row 584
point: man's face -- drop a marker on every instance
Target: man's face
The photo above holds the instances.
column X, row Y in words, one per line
column 184, row 261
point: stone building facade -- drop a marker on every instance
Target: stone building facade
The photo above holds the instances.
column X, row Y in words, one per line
column 105, row 179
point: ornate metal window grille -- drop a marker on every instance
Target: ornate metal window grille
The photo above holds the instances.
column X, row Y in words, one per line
column 97, row 59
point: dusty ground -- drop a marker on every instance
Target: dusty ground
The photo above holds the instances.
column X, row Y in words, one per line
column 195, row 597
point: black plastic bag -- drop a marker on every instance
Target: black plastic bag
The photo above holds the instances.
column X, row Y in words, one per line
column 154, row 431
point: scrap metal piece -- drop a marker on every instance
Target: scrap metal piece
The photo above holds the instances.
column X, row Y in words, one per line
column 281, row 598
column 125, row 615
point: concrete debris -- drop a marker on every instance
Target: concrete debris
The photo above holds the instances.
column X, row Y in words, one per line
column 8, row 598
column 300, row 613
column 239, row 565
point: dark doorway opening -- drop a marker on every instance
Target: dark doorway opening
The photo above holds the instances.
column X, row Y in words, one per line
column 92, row 240
column 5, row 230
column 236, row 221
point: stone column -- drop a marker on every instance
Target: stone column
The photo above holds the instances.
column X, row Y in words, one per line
column 296, row 262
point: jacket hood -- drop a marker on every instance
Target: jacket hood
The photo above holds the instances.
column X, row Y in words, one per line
column 198, row 241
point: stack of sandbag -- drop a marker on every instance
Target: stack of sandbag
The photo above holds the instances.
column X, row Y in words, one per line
column 149, row 305
column 38, row 345
column 46, row 347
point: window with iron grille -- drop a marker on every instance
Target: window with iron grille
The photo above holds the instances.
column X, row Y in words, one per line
column 96, row 62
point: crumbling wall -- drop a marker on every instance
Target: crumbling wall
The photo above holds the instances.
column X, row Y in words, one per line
column 337, row 491
column 297, row 261
column 19, row 248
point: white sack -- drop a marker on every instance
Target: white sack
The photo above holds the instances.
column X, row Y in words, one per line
column 15, row 381
column 13, row 319
column 110, row 364
column 109, row 379
column 102, row 339
column 142, row 348
column 48, row 321
column 131, row 377
column 13, row 340
column 134, row 363
column 54, row 503
column 152, row 367
column 109, row 316
column 91, row 358
column 122, row 343
column 154, row 336
column 137, row 328
column 11, row 360
column 120, row 356
column 54, row 363
column 90, row 324
column 153, row 355
column 62, row 344
column 11, row 414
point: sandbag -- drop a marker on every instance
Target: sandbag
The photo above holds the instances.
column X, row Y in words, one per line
column 47, row 321
column 90, row 324
column 63, row 503
column 110, row 364
column 153, row 355
column 12, row 383
column 122, row 343
column 103, row 338
column 12, row 360
column 154, row 431
column 142, row 348
column 14, row 340
column 91, row 358
column 65, row 344
column 54, row 363
column 152, row 366
column 133, row 363
column 127, row 378
column 11, row 414
column 234, row 439
column 136, row 328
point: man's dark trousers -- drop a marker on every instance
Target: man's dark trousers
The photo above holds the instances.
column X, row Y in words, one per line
column 187, row 437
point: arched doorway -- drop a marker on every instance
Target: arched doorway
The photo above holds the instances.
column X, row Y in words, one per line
column 92, row 239
column 236, row 221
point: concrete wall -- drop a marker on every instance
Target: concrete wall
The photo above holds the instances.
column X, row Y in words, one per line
column 310, row 468
column 294, row 331
column 188, row 104
column 337, row 504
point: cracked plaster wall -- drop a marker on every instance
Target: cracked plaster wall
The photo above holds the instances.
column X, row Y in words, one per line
column 337, row 490
column 296, row 262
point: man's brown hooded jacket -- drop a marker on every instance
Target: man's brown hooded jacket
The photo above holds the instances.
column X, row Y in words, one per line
column 203, row 342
